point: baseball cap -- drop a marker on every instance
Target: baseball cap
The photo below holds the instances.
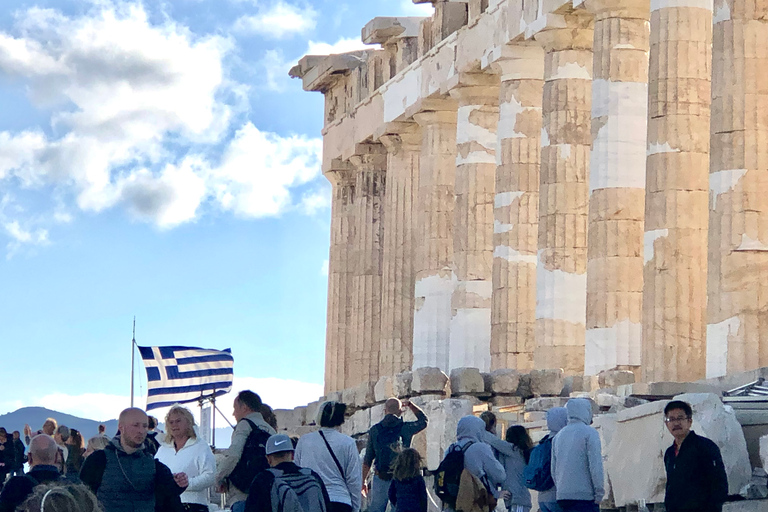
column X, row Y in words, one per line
column 279, row 443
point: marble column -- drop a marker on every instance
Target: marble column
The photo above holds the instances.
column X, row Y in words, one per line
column 398, row 278
column 677, row 184
column 477, row 119
column 561, row 273
column 342, row 178
column 617, row 185
column 516, row 208
column 370, row 163
column 434, row 243
column 737, row 317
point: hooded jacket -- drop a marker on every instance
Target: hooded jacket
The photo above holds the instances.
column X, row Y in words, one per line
column 577, row 461
column 513, row 460
column 478, row 458
column 557, row 419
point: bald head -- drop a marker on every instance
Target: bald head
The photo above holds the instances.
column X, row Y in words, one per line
column 133, row 424
column 131, row 414
column 42, row 450
column 392, row 406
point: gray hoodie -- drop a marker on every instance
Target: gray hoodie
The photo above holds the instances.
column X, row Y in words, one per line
column 557, row 419
column 577, row 462
column 513, row 460
column 478, row 458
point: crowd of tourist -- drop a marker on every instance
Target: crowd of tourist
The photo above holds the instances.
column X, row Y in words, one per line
column 141, row 469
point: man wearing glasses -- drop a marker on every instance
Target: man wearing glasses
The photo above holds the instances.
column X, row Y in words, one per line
column 696, row 479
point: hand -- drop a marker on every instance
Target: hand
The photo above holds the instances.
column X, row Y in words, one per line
column 181, row 479
column 505, row 495
column 27, row 430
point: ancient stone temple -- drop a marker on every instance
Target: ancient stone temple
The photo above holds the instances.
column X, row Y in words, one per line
column 536, row 184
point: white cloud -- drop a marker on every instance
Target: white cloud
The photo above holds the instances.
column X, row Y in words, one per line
column 408, row 8
column 316, row 200
column 340, row 46
column 278, row 21
column 21, row 236
column 325, row 269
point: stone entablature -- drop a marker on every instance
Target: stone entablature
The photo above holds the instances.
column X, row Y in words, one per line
column 545, row 194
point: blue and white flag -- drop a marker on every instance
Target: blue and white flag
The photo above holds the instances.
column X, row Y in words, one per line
column 178, row 375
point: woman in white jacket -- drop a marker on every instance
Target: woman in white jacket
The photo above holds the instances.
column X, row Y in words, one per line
column 183, row 452
column 334, row 457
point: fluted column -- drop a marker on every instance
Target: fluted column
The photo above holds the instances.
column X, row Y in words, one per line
column 477, row 118
column 676, row 212
column 370, row 165
column 561, row 274
column 403, row 152
column 617, row 185
column 342, row 178
column 516, row 209
column 737, row 330
column 434, row 243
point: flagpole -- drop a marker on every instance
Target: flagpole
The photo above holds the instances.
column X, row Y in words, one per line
column 133, row 355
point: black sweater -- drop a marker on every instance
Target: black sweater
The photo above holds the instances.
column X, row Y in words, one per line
column 696, row 478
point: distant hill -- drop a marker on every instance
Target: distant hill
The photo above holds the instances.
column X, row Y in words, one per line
column 36, row 416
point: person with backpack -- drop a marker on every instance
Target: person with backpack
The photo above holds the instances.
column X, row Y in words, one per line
column 334, row 457
column 513, row 454
column 577, row 461
column 469, row 453
column 284, row 486
column 537, row 475
column 408, row 491
column 246, row 456
column 385, row 440
column 42, row 458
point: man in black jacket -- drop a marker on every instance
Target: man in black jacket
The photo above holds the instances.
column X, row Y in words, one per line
column 19, row 449
column 696, row 478
column 126, row 478
column 43, row 453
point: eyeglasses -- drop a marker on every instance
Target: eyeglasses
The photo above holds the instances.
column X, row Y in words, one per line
column 678, row 419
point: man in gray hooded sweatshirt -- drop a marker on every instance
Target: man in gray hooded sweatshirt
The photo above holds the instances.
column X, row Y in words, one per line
column 557, row 419
column 478, row 458
column 577, row 461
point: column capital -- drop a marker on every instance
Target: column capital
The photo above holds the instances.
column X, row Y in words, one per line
column 340, row 173
column 476, row 95
column 404, row 137
column 567, row 32
column 523, row 61
column 431, row 117
column 369, row 157
column 632, row 9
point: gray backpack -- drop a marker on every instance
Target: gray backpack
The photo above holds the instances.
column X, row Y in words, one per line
column 296, row 492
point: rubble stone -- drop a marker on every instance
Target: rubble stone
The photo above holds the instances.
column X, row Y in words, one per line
column 580, row 383
column 443, row 417
column 530, row 417
column 310, row 415
column 428, row 380
column 547, row 382
column 377, row 413
column 544, row 403
column 665, row 389
column 403, row 384
column 467, row 381
column 505, row 381
column 614, row 378
column 384, row 388
column 764, row 451
column 505, row 401
column 364, row 395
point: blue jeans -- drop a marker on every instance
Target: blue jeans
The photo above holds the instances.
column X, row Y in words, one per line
column 578, row 506
column 379, row 495
column 238, row 506
column 550, row 506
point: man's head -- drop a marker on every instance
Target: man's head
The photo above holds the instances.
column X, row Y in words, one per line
column 490, row 421
column 62, row 434
column 3, row 433
column 16, row 435
column 247, row 402
column 279, row 449
column 133, row 424
column 152, row 422
column 43, row 450
column 49, row 427
column 102, row 429
column 393, row 406
column 679, row 418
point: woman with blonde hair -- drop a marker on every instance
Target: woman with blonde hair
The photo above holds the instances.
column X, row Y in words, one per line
column 183, row 452
column 95, row 444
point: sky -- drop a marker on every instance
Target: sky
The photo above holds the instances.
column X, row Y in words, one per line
column 157, row 161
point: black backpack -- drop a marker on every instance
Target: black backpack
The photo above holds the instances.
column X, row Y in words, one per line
column 388, row 443
column 448, row 474
column 253, row 460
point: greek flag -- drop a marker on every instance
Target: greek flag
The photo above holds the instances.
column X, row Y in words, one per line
column 178, row 375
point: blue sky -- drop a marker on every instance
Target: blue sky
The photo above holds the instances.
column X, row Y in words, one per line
column 156, row 160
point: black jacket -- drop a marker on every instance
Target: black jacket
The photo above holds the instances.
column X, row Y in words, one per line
column 696, row 478
column 260, row 493
column 8, row 456
column 19, row 488
column 19, row 451
column 166, row 490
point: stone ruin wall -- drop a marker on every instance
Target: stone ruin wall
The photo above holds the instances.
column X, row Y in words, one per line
column 534, row 184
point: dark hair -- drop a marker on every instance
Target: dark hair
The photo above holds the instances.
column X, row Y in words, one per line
column 678, row 404
column 152, row 422
column 406, row 465
column 490, row 420
column 332, row 414
column 269, row 415
column 102, row 428
column 250, row 399
column 518, row 436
